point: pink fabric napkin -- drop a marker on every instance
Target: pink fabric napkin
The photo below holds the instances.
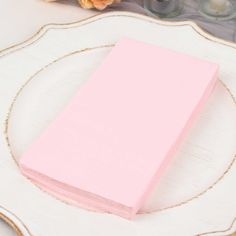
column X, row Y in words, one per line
column 109, row 146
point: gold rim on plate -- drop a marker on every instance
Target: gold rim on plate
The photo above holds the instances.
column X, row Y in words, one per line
column 42, row 31
column 79, row 52
column 221, row 231
column 12, row 224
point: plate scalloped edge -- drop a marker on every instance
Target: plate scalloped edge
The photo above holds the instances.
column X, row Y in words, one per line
column 39, row 33
column 14, row 222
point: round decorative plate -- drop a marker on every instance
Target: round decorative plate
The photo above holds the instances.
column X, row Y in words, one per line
column 47, row 70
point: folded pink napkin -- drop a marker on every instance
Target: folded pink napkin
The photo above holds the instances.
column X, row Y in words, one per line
column 109, row 146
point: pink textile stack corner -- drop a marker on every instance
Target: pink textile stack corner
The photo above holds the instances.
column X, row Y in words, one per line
column 108, row 147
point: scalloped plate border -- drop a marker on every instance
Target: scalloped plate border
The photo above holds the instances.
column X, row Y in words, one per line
column 43, row 30
column 14, row 222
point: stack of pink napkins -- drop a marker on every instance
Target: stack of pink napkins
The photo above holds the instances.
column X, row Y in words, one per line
column 108, row 147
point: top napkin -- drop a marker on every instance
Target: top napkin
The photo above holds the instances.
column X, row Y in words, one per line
column 110, row 144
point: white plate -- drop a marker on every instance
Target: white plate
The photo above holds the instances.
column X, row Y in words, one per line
column 187, row 186
column 200, row 160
